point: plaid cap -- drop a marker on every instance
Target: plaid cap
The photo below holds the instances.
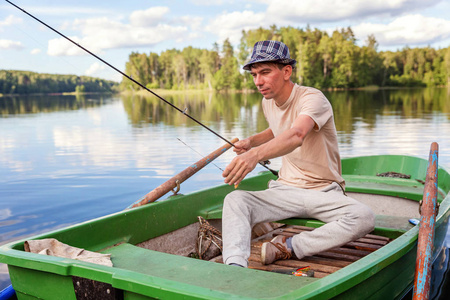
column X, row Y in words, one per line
column 274, row 51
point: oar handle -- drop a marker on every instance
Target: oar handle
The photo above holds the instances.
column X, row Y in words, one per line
column 422, row 277
column 176, row 180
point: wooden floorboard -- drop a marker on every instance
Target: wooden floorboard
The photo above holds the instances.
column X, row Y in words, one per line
column 323, row 263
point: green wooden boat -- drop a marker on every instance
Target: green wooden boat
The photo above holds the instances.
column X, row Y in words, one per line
column 150, row 247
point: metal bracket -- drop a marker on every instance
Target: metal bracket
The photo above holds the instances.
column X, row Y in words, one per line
column 177, row 188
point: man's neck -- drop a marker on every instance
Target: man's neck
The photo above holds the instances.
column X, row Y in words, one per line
column 287, row 90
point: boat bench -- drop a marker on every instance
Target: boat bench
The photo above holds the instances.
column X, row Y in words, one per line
column 391, row 226
column 156, row 274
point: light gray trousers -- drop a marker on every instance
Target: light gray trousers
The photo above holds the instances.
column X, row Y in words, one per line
column 346, row 219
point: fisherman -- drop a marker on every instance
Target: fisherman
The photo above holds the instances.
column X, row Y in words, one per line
column 301, row 131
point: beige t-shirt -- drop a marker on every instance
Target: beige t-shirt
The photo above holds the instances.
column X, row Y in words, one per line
column 316, row 163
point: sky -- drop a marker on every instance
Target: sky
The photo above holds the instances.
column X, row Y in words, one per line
column 114, row 29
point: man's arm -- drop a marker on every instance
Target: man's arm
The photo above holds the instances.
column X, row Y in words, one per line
column 283, row 144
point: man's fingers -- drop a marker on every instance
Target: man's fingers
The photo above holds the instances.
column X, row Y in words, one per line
column 239, row 150
column 242, row 146
column 238, row 181
column 239, row 167
column 236, row 177
column 234, row 171
column 228, row 169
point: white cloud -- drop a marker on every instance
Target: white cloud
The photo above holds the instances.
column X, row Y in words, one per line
column 8, row 44
column 35, row 51
column 306, row 11
column 392, row 26
column 65, row 11
column 9, row 20
column 149, row 17
column 61, row 46
column 406, row 30
column 230, row 25
column 208, row 2
column 116, row 77
column 102, row 33
column 193, row 22
column 94, row 68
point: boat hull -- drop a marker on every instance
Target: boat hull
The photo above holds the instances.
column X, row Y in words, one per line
column 140, row 273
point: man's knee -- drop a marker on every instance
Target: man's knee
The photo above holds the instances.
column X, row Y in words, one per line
column 366, row 219
column 234, row 196
column 234, row 200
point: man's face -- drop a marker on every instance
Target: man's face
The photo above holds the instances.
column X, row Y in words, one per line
column 269, row 79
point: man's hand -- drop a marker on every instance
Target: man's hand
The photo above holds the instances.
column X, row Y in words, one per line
column 242, row 146
column 239, row 167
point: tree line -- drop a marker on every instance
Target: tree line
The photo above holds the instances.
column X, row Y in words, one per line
column 324, row 61
column 26, row 82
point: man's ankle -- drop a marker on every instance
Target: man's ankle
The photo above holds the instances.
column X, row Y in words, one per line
column 289, row 243
column 237, row 265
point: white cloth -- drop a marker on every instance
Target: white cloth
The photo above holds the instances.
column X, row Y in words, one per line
column 54, row 247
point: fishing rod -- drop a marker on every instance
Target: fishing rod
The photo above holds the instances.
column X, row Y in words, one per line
column 135, row 81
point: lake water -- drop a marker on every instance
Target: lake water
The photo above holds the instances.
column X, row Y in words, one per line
column 67, row 159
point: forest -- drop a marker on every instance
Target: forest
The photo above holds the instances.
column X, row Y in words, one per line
column 324, row 61
column 25, row 82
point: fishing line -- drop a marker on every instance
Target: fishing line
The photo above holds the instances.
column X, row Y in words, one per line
column 199, row 153
column 43, row 46
column 138, row 83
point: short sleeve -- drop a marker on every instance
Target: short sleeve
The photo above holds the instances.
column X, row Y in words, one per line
column 317, row 107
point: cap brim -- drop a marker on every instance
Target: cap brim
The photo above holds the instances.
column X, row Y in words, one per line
column 285, row 61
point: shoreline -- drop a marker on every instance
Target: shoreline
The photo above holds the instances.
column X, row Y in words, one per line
column 195, row 91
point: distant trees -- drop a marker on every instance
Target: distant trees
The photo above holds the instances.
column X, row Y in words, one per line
column 228, row 76
column 324, row 61
column 25, row 82
column 336, row 61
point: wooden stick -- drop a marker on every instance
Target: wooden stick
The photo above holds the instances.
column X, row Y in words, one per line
column 176, row 180
column 428, row 214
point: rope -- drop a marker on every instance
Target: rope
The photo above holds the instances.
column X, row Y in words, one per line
column 208, row 233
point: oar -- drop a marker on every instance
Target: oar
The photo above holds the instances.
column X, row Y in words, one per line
column 428, row 214
column 176, row 180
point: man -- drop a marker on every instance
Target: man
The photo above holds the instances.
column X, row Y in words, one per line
column 301, row 131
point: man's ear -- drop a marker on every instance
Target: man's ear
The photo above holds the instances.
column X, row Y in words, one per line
column 287, row 72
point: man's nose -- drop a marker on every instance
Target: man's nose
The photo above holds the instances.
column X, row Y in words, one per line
column 258, row 80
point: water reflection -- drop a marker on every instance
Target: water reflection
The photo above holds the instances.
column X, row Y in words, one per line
column 368, row 122
column 18, row 105
column 224, row 110
column 440, row 280
column 229, row 108
column 349, row 106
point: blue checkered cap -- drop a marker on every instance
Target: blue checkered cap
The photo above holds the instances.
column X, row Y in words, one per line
column 273, row 51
